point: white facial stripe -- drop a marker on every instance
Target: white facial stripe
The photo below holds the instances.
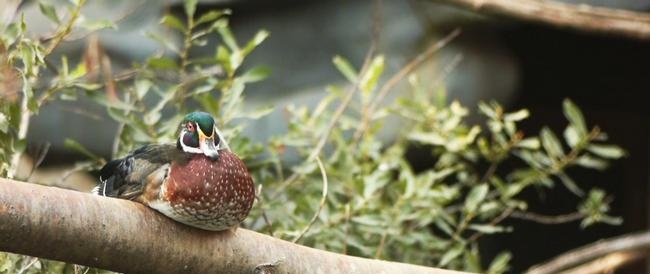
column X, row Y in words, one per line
column 187, row 148
column 222, row 142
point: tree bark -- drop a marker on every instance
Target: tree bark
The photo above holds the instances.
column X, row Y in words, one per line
column 124, row 236
column 579, row 17
column 639, row 241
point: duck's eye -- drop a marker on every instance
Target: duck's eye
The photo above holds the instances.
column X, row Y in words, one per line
column 190, row 127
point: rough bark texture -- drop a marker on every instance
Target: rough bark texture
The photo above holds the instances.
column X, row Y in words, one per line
column 124, row 236
column 579, row 17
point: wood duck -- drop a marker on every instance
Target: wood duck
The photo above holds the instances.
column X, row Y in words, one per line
column 198, row 181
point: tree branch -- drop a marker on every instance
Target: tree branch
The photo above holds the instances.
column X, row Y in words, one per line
column 578, row 17
column 124, row 236
column 629, row 242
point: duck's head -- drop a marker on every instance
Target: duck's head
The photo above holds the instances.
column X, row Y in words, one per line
column 200, row 135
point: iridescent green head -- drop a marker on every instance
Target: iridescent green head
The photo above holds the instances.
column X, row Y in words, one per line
column 200, row 135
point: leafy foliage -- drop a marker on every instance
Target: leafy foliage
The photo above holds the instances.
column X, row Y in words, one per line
column 374, row 202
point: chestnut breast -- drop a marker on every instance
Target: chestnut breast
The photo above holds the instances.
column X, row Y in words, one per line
column 221, row 187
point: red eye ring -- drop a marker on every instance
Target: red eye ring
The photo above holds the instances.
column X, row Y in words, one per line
column 190, row 127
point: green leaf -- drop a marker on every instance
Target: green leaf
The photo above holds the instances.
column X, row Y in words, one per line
column 551, row 143
column 259, row 37
column 74, row 145
column 529, row 143
column 516, row 116
column 574, row 115
column 451, row 254
column 256, row 74
column 570, row 184
column 211, row 16
column 98, row 24
column 162, row 63
column 49, row 11
column 488, row 229
column 591, row 162
column 345, row 68
column 142, row 86
column 172, row 22
column 606, row 151
column 190, row 7
column 369, row 79
column 227, row 36
column 4, row 123
column 571, row 136
column 164, row 41
column 475, row 197
column 500, row 263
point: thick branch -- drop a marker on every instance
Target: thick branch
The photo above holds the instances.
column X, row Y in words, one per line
column 625, row 243
column 579, row 17
column 127, row 237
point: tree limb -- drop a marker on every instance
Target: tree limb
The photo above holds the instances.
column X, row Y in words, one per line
column 578, row 17
column 124, row 236
column 629, row 242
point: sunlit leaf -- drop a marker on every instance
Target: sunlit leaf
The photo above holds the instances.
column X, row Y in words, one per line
column 574, row 115
column 591, row 162
column 551, row 143
column 345, row 68
column 571, row 136
column 500, row 263
column 516, row 116
column 259, row 37
column 606, row 151
column 475, row 197
column 211, row 16
column 256, row 74
column 190, row 7
column 173, row 22
column 529, row 143
column 451, row 254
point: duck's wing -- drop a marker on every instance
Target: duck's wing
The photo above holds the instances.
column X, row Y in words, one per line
column 127, row 177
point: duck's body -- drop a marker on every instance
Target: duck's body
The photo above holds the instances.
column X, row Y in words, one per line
column 213, row 192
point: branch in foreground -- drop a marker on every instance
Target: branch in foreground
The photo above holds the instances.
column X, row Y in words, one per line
column 124, row 236
column 579, row 17
column 625, row 243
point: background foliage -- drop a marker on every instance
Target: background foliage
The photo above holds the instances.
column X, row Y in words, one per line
column 352, row 191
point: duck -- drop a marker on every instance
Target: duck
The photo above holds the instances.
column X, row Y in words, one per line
column 198, row 181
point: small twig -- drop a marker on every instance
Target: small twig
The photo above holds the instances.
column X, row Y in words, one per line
column 347, row 228
column 382, row 241
column 494, row 222
column 27, row 266
column 268, row 222
column 546, row 219
column 322, row 201
column 40, row 156
column 58, row 38
column 406, row 70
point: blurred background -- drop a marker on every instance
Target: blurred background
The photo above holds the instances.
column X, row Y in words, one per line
column 519, row 64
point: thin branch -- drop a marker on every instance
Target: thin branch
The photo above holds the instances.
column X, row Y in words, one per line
column 628, row 242
column 578, row 17
column 397, row 77
column 99, row 232
column 546, row 219
column 320, row 205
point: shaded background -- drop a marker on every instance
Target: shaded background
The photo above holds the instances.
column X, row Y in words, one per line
column 520, row 65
